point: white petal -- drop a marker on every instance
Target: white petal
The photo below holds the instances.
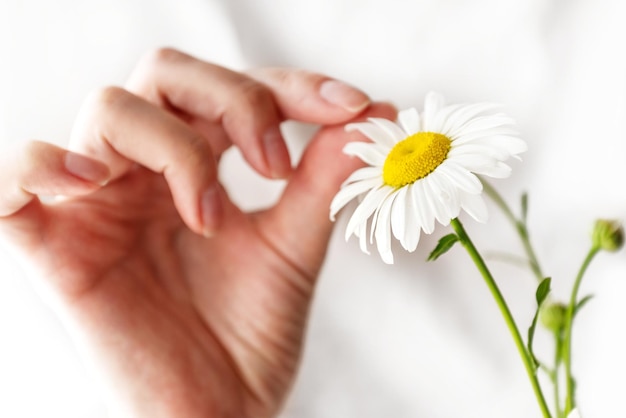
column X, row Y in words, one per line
column 460, row 177
column 465, row 136
column 412, row 235
column 409, row 119
column 398, row 214
column 440, row 118
column 392, row 130
column 383, row 230
column 470, row 148
column 475, row 206
column 365, row 209
column 373, row 132
column 365, row 173
column 404, row 222
column 349, row 192
column 476, row 156
column 448, row 194
column 482, row 164
column 513, row 144
column 483, row 123
column 504, row 144
column 371, row 154
column 390, row 195
column 433, row 193
column 498, row 171
column 481, row 149
column 464, row 114
column 362, row 234
column 425, row 216
column 432, row 104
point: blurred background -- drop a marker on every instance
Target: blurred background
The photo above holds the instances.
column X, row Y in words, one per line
column 409, row 340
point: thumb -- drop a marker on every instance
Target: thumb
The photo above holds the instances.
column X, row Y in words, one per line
column 41, row 169
column 299, row 224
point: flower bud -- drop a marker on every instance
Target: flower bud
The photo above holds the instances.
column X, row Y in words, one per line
column 552, row 316
column 608, row 235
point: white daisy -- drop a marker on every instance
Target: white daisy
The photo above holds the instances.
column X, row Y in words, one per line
column 421, row 169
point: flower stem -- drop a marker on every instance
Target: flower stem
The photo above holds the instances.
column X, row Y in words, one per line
column 506, row 313
column 554, row 376
column 567, row 339
column 520, row 227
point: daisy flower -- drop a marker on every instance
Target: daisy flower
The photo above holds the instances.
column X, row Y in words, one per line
column 423, row 168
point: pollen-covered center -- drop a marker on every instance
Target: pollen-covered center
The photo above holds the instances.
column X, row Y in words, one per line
column 414, row 158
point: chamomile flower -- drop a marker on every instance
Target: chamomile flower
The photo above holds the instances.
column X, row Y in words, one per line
column 423, row 168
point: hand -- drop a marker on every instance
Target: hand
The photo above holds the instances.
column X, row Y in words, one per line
column 183, row 305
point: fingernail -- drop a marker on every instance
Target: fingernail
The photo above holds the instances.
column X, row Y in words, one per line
column 211, row 207
column 343, row 95
column 86, row 169
column 276, row 153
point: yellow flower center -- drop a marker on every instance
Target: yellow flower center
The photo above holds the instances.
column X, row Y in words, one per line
column 414, row 158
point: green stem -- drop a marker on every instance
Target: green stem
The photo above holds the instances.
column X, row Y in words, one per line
column 558, row 341
column 522, row 231
column 520, row 227
column 567, row 339
column 506, row 313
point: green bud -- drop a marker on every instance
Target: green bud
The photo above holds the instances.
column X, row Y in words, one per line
column 608, row 235
column 552, row 316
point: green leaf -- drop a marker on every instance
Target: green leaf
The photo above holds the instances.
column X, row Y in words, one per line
column 582, row 303
column 542, row 291
column 444, row 244
column 524, row 207
column 541, row 294
column 531, row 336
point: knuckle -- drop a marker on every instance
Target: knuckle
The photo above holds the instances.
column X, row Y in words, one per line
column 160, row 56
column 293, row 79
column 198, row 147
column 253, row 95
column 108, row 99
column 33, row 151
column 290, row 77
column 107, row 96
column 152, row 69
column 197, row 152
column 33, row 154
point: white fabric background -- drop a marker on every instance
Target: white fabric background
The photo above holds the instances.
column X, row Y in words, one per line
column 414, row 339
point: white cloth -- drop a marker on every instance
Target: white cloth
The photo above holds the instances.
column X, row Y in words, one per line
column 413, row 339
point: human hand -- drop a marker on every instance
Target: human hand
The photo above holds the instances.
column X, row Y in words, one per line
column 182, row 304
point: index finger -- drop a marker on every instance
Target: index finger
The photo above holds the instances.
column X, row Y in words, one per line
column 311, row 97
column 249, row 107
